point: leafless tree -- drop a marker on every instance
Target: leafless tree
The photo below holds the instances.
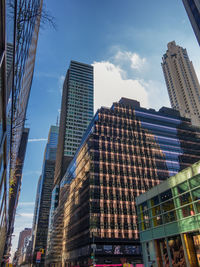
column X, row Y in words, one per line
column 25, row 14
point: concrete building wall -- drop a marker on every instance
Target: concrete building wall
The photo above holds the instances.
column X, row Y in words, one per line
column 182, row 83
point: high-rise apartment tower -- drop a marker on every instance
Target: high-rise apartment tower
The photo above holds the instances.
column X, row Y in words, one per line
column 193, row 10
column 182, row 83
column 76, row 113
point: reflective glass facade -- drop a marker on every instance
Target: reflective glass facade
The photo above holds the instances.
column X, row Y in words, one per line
column 193, row 10
column 125, row 151
column 169, row 214
column 76, row 113
column 17, row 53
column 43, row 197
column 3, row 130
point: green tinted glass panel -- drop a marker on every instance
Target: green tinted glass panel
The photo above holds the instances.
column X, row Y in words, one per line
column 141, row 226
column 156, row 211
column 144, row 206
column 166, row 195
column 140, row 217
column 155, row 201
column 157, row 220
column 167, row 206
column 146, row 215
column 185, row 199
column 197, row 205
column 196, row 194
column 195, row 181
column 146, row 224
column 187, row 211
column 169, row 217
column 182, row 188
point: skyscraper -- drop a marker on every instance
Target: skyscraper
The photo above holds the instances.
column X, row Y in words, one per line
column 22, row 239
column 43, row 197
column 125, row 151
column 182, row 83
column 15, row 187
column 16, row 74
column 76, row 113
column 193, row 10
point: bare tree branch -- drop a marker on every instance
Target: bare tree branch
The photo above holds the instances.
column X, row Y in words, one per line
column 26, row 15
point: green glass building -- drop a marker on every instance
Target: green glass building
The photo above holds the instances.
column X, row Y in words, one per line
column 169, row 220
column 76, row 113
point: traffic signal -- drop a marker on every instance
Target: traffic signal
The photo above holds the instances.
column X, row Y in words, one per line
column 92, row 256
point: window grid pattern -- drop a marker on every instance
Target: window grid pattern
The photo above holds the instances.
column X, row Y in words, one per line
column 118, row 161
column 174, row 204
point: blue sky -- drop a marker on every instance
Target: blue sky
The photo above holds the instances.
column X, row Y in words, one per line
column 125, row 41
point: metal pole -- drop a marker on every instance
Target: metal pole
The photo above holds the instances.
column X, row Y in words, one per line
column 93, row 249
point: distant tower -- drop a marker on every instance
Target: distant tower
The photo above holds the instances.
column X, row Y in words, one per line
column 76, row 113
column 21, row 241
column 193, row 10
column 182, row 83
column 43, row 196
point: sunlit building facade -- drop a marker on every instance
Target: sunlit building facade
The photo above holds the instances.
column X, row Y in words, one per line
column 23, row 235
column 76, row 113
column 182, row 82
column 168, row 217
column 125, row 151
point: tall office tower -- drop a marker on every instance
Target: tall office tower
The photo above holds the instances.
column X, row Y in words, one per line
column 182, row 83
column 76, row 113
column 43, row 198
column 126, row 150
column 193, row 10
column 15, row 85
column 22, row 239
column 37, row 199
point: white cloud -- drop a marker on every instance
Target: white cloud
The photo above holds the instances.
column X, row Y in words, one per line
column 157, row 91
column 110, row 85
column 29, row 215
column 26, row 203
column 133, row 59
column 37, row 139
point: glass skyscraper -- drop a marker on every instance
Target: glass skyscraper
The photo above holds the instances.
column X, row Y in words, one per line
column 76, row 113
column 193, row 10
column 125, row 151
column 43, row 197
column 17, row 51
